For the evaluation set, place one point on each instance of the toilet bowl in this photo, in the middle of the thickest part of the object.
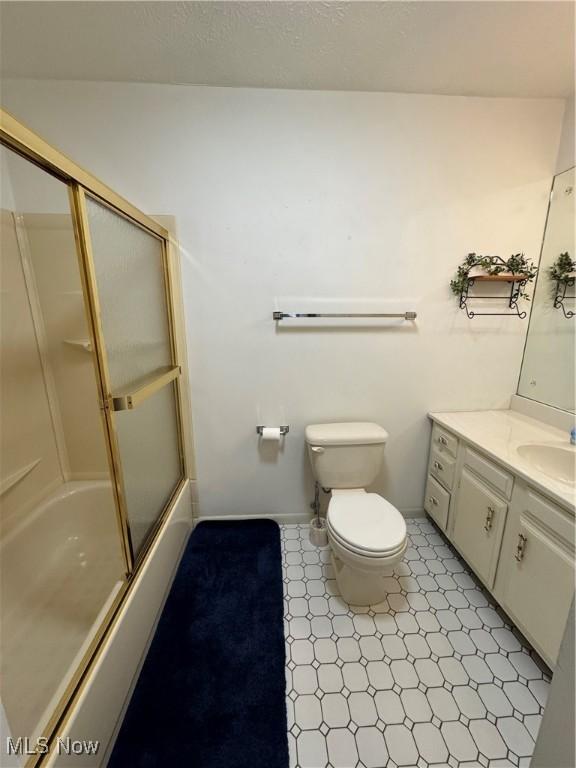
(367, 536)
(366, 533)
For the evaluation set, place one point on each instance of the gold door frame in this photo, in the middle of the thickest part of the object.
(80, 182)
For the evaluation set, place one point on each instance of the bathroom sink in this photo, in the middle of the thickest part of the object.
(553, 460)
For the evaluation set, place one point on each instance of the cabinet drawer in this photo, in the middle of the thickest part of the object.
(478, 525)
(498, 478)
(550, 516)
(442, 467)
(444, 440)
(436, 502)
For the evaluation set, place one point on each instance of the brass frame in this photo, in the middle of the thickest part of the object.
(91, 300)
(25, 142)
(127, 401)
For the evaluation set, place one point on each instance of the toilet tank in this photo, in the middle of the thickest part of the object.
(346, 455)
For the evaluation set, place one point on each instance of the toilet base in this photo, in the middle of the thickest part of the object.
(360, 587)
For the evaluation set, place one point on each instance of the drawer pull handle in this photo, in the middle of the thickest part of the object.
(521, 547)
(433, 501)
(438, 466)
(442, 440)
(489, 519)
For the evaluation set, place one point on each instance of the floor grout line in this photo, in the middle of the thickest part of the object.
(435, 675)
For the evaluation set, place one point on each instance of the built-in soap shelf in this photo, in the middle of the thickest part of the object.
(84, 344)
(17, 476)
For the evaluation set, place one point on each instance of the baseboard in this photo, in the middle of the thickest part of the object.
(299, 518)
(284, 519)
(413, 512)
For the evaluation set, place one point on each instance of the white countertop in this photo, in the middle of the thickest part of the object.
(499, 433)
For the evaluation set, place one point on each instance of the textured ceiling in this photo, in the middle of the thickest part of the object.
(469, 48)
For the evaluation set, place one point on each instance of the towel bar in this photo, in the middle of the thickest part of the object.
(284, 315)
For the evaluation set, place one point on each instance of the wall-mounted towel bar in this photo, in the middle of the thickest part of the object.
(127, 401)
(285, 315)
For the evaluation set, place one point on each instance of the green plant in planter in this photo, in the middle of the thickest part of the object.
(458, 283)
(517, 264)
(561, 269)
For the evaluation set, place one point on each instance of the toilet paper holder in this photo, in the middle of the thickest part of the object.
(283, 429)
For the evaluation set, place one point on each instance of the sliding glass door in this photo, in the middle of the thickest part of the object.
(62, 556)
(91, 439)
(133, 314)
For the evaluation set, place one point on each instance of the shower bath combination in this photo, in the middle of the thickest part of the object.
(90, 369)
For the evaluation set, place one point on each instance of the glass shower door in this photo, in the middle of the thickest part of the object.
(62, 564)
(91, 443)
(132, 287)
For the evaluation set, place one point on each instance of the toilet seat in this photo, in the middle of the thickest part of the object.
(380, 555)
(366, 524)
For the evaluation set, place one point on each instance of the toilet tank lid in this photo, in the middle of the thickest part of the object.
(346, 433)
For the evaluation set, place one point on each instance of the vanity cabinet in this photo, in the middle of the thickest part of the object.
(518, 542)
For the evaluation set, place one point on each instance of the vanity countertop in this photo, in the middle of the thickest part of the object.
(499, 433)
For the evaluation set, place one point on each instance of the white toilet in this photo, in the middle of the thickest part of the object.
(366, 533)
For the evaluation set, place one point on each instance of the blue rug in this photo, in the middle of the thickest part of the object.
(211, 691)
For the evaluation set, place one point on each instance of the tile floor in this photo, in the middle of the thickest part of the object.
(435, 675)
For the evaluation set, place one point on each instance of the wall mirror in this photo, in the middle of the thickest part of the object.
(547, 373)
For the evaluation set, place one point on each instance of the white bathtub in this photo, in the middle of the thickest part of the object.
(59, 569)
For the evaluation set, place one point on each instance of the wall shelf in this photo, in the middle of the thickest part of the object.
(516, 273)
(503, 277)
(517, 283)
(84, 344)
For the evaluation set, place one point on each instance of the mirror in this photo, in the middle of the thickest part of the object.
(547, 373)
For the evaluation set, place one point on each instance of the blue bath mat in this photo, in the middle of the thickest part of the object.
(211, 691)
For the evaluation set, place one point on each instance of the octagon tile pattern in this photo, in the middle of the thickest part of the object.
(435, 675)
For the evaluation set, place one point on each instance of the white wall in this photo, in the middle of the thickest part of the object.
(325, 195)
(566, 149)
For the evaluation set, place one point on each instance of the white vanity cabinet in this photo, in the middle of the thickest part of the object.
(518, 542)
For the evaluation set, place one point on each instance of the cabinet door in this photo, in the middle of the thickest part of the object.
(536, 572)
(478, 524)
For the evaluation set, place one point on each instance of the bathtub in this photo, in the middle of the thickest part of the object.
(60, 569)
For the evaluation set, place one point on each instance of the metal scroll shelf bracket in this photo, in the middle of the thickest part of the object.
(561, 295)
(516, 282)
(283, 429)
(288, 315)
